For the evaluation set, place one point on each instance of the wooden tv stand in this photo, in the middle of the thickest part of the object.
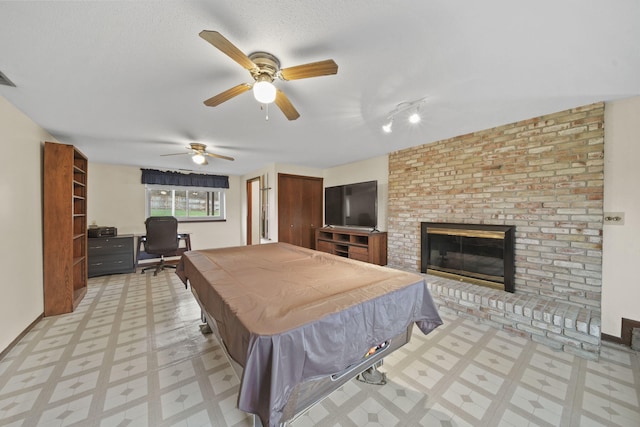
(367, 246)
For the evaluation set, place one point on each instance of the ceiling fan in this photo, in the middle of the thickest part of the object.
(199, 154)
(264, 68)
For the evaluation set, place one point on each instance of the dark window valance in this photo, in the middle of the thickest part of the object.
(152, 176)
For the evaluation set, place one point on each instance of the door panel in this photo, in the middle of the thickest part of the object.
(312, 211)
(299, 209)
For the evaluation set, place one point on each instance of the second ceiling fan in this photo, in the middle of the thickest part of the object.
(264, 69)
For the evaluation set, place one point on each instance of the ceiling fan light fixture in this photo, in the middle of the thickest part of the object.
(387, 128)
(198, 158)
(414, 118)
(263, 90)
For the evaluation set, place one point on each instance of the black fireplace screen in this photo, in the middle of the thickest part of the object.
(482, 254)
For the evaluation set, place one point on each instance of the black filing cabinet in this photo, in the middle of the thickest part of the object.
(110, 255)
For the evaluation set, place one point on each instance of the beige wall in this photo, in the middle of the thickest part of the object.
(621, 243)
(20, 221)
(117, 198)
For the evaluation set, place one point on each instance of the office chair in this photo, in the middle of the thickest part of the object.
(161, 239)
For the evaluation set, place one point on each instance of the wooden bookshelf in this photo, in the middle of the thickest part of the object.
(65, 228)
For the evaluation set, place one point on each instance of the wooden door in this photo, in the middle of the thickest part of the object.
(311, 211)
(299, 209)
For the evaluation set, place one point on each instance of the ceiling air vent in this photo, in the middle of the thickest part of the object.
(5, 81)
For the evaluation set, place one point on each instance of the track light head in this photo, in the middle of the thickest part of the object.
(403, 108)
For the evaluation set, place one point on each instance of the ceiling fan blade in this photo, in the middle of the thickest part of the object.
(173, 154)
(286, 106)
(313, 69)
(227, 95)
(218, 156)
(228, 48)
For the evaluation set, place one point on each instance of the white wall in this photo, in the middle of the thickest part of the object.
(21, 285)
(117, 198)
(621, 243)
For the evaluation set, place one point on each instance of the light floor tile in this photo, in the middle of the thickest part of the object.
(41, 359)
(66, 414)
(467, 400)
(224, 380)
(133, 355)
(130, 350)
(612, 412)
(28, 379)
(127, 392)
(611, 369)
(545, 383)
(441, 416)
(74, 386)
(551, 366)
(495, 362)
(482, 378)
(540, 407)
(371, 413)
(180, 399)
(18, 403)
(175, 374)
(128, 369)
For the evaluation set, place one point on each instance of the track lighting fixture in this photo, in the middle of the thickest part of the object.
(411, 108)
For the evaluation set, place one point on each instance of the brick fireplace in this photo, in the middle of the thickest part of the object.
(544, 176)
(474, 253)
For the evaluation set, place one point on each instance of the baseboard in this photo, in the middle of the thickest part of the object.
(4, 352)
(625, 333)
(611, 338)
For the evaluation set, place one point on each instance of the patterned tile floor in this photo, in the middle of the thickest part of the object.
(132, 355)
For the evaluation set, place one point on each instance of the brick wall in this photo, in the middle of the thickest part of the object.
(543, 175)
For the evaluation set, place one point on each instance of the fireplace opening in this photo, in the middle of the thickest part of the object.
(475, 253)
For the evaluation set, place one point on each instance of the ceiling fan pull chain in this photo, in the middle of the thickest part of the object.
(266, 117)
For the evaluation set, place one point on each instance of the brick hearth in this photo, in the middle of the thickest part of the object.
(561, 326)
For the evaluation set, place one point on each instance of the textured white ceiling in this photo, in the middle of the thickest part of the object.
(125, 81)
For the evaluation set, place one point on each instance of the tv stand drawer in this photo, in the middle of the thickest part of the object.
(359, 253)
(324, 246)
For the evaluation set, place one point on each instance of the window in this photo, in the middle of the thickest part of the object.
(186, 203)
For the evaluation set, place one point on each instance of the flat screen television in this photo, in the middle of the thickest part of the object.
(352, 205)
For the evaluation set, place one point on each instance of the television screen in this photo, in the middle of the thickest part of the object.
(352, 205)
